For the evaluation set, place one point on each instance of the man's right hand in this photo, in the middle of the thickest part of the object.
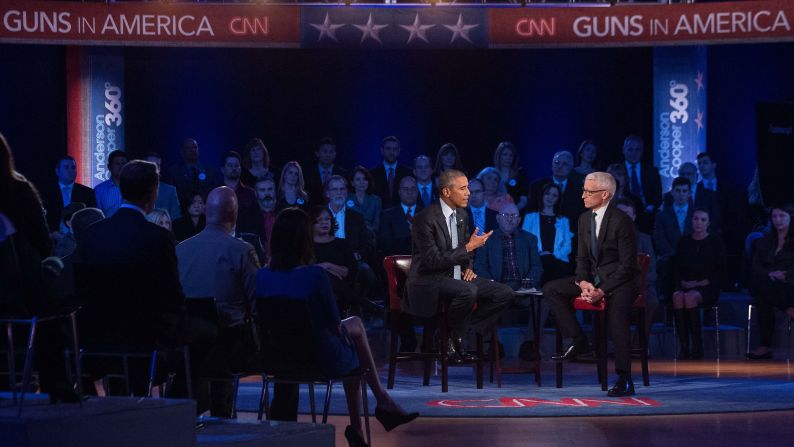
(587, 288)
(476, 241)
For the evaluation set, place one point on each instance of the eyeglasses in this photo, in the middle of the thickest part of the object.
(508, 216)
(590, 193)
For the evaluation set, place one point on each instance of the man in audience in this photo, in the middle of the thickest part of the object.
(191, 176)
(702, 198)
(644, 182)
(266, 199)
(386, 176)
(480, 216)
(423, 172)
(58, 196)
(108, 194)
(395, 223)
(315, 175)
(571, 201)
(167, 197)
(708, 171)
(249, 217)
(80, 222)
(67, 243)
(215, 264)
(671, 224)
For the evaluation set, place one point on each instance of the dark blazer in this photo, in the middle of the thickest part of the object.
(571, 205)
(314, 184)
(394, 237)
(616, 260)
(433, 194)
(666, 232)
(705, 199)
(381, 188)
(490, 220)
(53, 202)
(186, 183)
(651, 184)
(433, 258)
(357, 235)
(488, 260)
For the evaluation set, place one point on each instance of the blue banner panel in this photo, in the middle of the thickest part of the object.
(679, 107)
(382, 27)
(103, 82)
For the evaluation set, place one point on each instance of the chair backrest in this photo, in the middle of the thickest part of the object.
(397, 268)
(203, 308)
(286, 335)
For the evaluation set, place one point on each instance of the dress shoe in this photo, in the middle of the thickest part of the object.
(460, 349)
(353, 438)
(623, 387)
(390, 420)
(765, 356)
(573, 351)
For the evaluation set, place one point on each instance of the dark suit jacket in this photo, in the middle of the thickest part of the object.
(651, 184)
(490, 220)
(705, 199)
(181, 176)
(433, 258)
(571, 205)
(394, 237)
(616, 260)
(381, 188)
(53, 202)
(488, 260)
(433, 194)
(666, 232)
(314, 184)
(357, 235)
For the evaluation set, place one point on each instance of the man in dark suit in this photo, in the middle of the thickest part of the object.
(644, 182)
(386, 176)
(316, 175)
(702, 197)
(480, 216)
(441, 267)
(191, 176)
(606, 268)
(66, 191)
(423, 172)
(394, 237)
(672, 223)
(571, 200)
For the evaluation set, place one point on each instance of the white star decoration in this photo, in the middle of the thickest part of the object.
(699, 120)
(370, 30)
(699, 80)
(326, 29)
(460, 30)
(417, 30)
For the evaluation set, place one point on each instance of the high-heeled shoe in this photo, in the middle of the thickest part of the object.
(353, 438)
(391, 420)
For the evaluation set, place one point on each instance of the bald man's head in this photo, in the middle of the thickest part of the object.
(221, 208)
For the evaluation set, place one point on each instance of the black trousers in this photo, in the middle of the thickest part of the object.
(559, 294)
(491, 297)
(770, 295)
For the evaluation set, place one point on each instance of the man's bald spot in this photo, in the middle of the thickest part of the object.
(508, 208)
(221, 207)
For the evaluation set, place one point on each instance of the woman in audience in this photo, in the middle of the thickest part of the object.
(256, 163)
(192, 222)
(160, 217)
(505, 160)
(362, 200)
(342, 345)
(553, 233)
(773, 277)
(291, 188)
(697, 272)
(585, 160)
(493, 188)
(448, 157)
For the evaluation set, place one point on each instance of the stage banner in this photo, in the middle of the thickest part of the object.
(679, 107)
(95, 109)
(382, 27)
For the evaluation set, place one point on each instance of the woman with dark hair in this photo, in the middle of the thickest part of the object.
(362, 200)
(342, 345)
(505, 160)
(773, 277)
(585, 160)
(256, 163)
(192, 221)
(697, 270)
(553, 233)
(448, 157)
(292, 188)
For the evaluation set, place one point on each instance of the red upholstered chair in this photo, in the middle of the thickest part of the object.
(600, 329)
(397, 268)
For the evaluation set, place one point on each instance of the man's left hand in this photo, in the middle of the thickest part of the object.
(595, 296)
(469, 275)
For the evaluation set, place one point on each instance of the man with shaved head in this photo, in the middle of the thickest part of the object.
(214, 264)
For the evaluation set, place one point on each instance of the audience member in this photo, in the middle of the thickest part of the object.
(167, 197)
(59, 195)
(441, 267)
(621, 175)
(160, 217)
(702, 198)
(672, 223)
(362, 200)
(552, 233)
(480, 216)
(570, 200)
(249, 219)
(66, 244)
(80, 222)
(394, 237)
(423, 173)
(386, 176)
(494, 190)
(505, 160)
(256, 163)
(266, 198)
(447, 157)
(291, 187)
(773, 277)
(318, 174)
(108, 194)
(213, 264)
(586, 159)
(343, 344)
(644, 182)
(191, 176)
(697, 272)
(192, 222)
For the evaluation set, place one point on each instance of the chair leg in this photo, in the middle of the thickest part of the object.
(12, 363)
(365, 403)
(558, 366)
(28, 369)
(479, 364)
(643, 347)
(444, 357)
(76, 347)
(392, 354)
(427, 346)
(188, 377)
(717, 330)
(497, 362)
(125, 366)
(602, 357)
(313, 406)
(235, 388)
(152, 371)
(264, 399)
(327, 404)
